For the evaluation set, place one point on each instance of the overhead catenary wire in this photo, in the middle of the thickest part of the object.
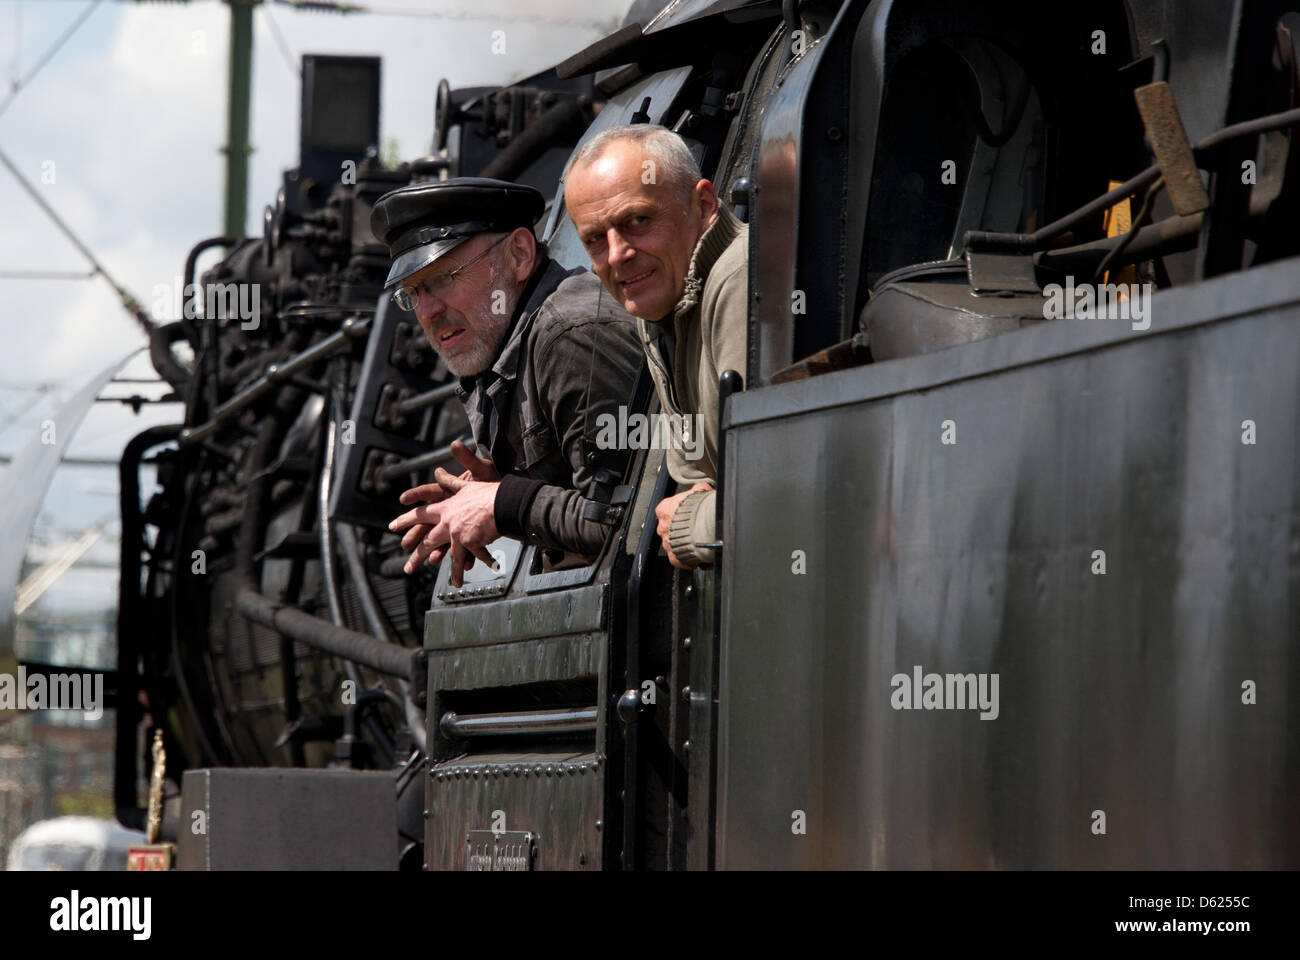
(280, 42)
(48, 55)
(47, 274)
(129, 303)
(345, 7)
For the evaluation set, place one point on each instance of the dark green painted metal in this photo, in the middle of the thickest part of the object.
(1120, 693)
(521, 618)
(237, 115)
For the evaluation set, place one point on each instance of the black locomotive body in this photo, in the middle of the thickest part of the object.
(926, 474)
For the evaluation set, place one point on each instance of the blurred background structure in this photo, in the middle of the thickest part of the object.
(115, 128)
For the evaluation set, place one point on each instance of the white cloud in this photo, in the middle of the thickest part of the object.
(133, 114)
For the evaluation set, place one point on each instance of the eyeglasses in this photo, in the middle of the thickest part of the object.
(440, 283)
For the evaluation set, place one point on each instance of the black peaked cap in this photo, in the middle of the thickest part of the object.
(424, 221)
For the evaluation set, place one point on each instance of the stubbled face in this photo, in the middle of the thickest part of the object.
(460, 322)
(640, 236)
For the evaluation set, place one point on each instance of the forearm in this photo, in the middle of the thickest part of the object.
(694, 522)
(544, 514)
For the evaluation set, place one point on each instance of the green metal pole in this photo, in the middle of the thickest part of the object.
(237, 148)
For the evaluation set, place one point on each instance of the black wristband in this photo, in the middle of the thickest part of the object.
(515, 495)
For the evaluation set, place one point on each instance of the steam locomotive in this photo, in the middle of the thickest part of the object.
(1089, 523)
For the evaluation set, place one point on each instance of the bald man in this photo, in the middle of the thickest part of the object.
(677, 260)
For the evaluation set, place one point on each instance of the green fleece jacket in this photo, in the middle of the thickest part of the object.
(710, 324)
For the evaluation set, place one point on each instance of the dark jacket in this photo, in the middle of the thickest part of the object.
(571, 354)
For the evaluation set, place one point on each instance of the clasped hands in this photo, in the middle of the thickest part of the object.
(454, 513)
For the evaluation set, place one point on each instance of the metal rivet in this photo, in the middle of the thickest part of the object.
(686, 693)
(686, 747)
(599, 824)
(690, 589)
(686, 642)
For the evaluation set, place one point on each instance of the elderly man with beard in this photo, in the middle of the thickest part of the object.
(677, 260)
(541, 352)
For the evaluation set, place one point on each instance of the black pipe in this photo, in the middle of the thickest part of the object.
(367, 696)
(561, 125)
(429, 398)
(1030, 242)
(1171, 235)
(546, 721)
(387, 658)
(161, 339)
(277, 374)
(193, 257)
(208, 349)
(130, 627)
(413, 464)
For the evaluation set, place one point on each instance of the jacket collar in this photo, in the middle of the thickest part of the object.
(724, 229)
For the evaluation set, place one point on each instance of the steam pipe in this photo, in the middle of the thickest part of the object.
(276, 374)
(428, 399)
(561, 122)
(129, 626)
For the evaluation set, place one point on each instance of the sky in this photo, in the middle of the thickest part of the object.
(121, 133)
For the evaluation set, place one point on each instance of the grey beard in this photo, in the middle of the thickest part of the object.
(484, 352)
(491, 328)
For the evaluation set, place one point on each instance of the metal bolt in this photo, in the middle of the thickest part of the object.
(686, 747)
(599, 824)
(690, 589)
(272, 369)
(582, 858)
(686, 642)
(686, 693)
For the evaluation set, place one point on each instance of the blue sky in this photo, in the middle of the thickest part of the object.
(128, 118)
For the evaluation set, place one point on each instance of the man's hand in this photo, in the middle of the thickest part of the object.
(665, 510)
(424, 521)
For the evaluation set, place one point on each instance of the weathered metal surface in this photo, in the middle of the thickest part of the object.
(253, 819)
(1126, 694)
(519, 618)
(555, 796)
(545, 658)
(490, 851)
(1169, 143)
